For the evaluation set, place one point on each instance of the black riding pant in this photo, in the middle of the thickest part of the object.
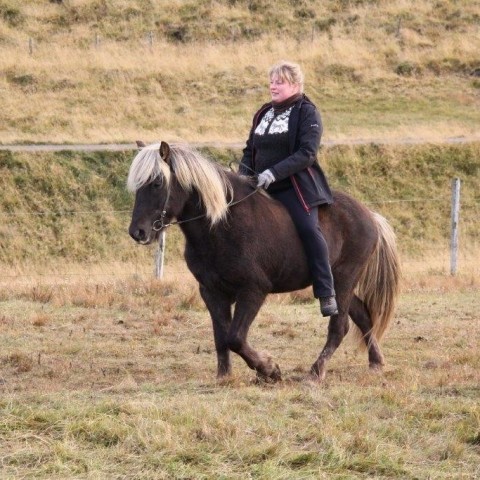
(314, 244)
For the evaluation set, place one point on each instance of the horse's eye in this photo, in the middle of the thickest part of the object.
(157, 184)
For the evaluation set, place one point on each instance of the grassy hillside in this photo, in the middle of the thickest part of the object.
(102, 71)
(40, 191)
(70, 206)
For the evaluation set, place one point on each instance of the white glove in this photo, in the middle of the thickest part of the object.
(265, 179)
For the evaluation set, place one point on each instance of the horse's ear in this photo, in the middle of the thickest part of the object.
(165, 151)
(140, 144)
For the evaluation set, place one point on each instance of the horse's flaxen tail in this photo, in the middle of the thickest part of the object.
(379, 284)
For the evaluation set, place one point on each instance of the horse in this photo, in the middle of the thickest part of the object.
(242, 245)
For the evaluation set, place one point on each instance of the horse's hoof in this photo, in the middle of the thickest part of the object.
(225, 380)
(315, 379)
(317, 375)
(376, 367)
(276, 374)
(273, 377)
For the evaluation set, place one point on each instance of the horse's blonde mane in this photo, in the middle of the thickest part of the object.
(192, 170)
(146, 166)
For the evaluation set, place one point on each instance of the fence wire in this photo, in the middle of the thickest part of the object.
(142, 261)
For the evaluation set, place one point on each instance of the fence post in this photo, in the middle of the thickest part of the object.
(160, 256)
(399, 26)
(454, 232)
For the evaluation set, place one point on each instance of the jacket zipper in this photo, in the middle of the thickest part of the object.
(299, 194)
(256, 121)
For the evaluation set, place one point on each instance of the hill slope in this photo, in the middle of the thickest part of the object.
(74, 207)
(105, 71)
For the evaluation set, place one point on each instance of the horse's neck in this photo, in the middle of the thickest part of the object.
(194, 228)
(200, 241)
(200, 233)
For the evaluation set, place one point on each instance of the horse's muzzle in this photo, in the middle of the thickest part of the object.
(139, 235)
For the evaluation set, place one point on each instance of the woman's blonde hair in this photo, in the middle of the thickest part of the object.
(288, 72)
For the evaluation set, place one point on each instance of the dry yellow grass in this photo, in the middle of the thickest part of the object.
(68, 90)
(116, 379)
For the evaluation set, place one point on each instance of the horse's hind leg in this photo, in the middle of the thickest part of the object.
(219, 307)
(248, 304)
(361, 317)
(337, 329)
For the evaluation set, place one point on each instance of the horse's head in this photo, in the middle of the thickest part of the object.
(157, 192)
(175, 181)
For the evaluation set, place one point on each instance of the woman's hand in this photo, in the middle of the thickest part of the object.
(265, 179)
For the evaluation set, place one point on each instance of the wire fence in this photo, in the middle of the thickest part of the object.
(130, 260)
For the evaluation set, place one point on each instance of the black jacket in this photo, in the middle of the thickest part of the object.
(305, 131)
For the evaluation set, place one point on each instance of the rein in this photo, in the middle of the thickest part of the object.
(160, 223)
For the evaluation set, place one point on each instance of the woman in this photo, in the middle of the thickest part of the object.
(282, 150)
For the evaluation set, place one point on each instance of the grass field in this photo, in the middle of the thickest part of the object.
(106, 373)
(116, 380)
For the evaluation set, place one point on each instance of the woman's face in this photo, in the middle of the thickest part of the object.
(281, 90)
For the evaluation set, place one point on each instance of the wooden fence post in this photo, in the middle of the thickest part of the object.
(160, 256)
(454, 232)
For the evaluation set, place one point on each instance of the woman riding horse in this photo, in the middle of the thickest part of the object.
(230, 249)
(282, 147)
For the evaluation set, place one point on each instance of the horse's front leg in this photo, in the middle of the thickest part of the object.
(247, 305)
(219, 306)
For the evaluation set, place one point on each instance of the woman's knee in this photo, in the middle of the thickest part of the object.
(308, 229)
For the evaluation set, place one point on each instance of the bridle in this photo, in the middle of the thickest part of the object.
(161, 220)
(160, 224)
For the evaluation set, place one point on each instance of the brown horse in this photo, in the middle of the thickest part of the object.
(242, 245)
